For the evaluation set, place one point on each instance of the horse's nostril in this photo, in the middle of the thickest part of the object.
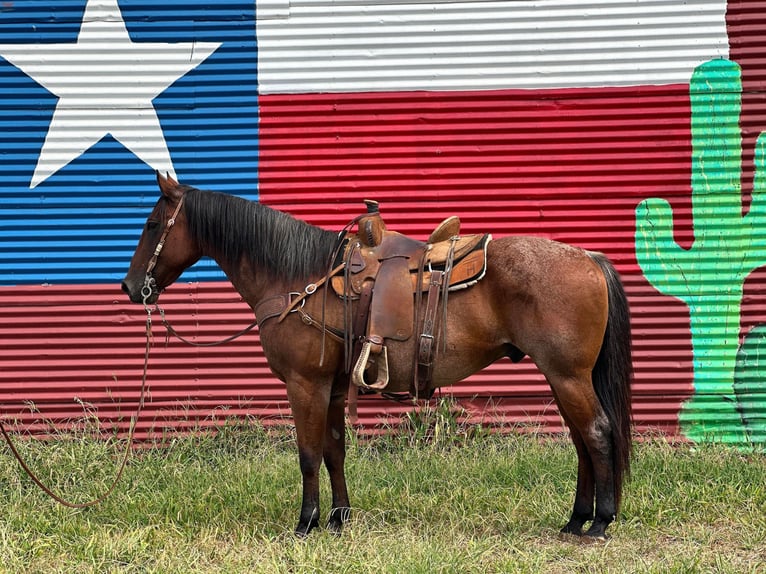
(125, 288)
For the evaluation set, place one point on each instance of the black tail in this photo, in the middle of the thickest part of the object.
(613, 372)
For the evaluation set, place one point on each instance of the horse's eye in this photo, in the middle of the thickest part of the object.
(151, 225)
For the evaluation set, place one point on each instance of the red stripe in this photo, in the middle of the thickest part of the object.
(512, 162)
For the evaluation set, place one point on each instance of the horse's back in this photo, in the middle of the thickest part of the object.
(537, 259)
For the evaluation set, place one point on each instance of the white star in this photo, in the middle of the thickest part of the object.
(105, 84)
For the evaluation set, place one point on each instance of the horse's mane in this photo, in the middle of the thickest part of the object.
(275, 242)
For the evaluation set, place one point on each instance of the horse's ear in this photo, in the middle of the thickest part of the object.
(168, 186)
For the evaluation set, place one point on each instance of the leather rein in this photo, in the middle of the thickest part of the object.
(123, 463)
(146, 293)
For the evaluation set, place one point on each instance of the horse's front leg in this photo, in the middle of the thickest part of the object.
(309, 401)
(335, 454)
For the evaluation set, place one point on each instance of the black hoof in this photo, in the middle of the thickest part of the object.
(303, 530)
(573, 527)
(338, 517)
(597, 530)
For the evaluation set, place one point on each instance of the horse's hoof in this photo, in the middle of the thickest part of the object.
(338, 517)
(596, 533)
(303, 530)
(335, 528)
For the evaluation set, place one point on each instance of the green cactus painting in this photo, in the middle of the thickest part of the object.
(749, 386)
(728, 245)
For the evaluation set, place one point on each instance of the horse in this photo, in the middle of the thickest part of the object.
(562, 306)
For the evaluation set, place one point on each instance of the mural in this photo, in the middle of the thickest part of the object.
(710, 276)
(94, 97)
(127, 115)
(508, 114)
(749, 386)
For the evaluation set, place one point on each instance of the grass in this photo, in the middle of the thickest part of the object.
(440, 497)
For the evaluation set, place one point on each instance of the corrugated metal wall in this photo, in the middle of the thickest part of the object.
(71, 353)
(551, 118)
(79, 143)
(107, 92)
(510, 169)
(366, 45)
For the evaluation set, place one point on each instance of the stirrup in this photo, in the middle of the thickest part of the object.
(357, 374)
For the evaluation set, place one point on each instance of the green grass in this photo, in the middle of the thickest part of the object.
(438, 498)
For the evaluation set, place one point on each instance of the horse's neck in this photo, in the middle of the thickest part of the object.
(248, 275)
(254, 285)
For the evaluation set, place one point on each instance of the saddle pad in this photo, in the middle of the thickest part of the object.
(471, 268)
(463, 245)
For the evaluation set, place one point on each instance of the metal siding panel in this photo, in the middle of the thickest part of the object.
(570, 164)
(566, 164)
(68, 350)
(67, 333)
(746, 24)
(81, 223)
(366, 45)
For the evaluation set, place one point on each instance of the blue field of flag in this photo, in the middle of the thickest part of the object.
(96, 96)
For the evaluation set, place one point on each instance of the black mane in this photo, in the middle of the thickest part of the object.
(275, 242)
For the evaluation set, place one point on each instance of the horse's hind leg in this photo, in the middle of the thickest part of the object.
(335, 455)
(584, 496)
(591, 434)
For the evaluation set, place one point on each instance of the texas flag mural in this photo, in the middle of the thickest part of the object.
(544, 117)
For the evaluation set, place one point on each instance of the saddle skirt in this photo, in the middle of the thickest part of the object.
(387, 276)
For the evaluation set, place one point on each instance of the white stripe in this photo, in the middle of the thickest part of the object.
(366, 45)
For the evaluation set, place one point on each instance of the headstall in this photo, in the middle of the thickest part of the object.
(149, 281)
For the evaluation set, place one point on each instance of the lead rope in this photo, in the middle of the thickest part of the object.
(128, 447)
(146, 292)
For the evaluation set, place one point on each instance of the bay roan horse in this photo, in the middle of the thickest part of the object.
(563, 307)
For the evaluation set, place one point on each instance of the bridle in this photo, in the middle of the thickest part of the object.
(149, 282)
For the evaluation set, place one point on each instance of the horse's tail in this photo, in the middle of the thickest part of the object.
(613, 372)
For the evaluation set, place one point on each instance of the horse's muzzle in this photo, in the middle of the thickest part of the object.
(139, 294)
(133, 294)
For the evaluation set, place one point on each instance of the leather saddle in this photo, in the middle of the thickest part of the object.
(388, 275)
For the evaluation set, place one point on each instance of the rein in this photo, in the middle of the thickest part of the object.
(146, 292)
(171, 331)
(58, 498)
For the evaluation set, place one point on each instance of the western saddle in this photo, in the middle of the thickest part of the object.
(388, 275)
